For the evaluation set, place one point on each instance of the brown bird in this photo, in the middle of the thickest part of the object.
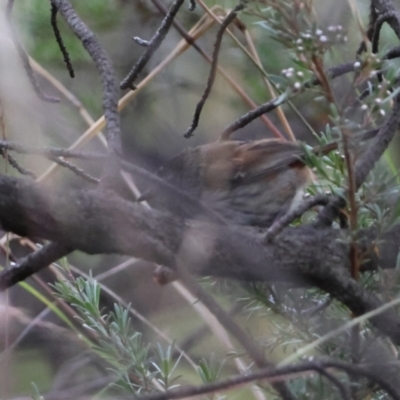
(247, 183)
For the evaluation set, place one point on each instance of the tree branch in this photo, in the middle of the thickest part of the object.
(31, 264)
(100, 222)
(276, 374)
(103, 64)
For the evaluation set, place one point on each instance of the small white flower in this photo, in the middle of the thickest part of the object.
(323, 39)
(300, 74)
(378, 100)
(299, 41)
(382, 112)
(319, 32)
(364, 107)
(300, 48)
(297, 85)
(357, 65)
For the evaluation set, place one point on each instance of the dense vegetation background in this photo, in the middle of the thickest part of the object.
(68, 337)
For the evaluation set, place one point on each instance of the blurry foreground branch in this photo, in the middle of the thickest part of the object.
(100, 222)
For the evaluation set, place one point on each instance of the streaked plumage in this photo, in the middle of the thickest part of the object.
(248, 183)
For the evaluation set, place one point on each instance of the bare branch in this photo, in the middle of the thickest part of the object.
(49, 151)
(152, 45)
(31, 264)
(13, 162)
(278, 373)
(211, 77)
(245, 119)
(281, 223)
(73, 168)
(100, 58)
(60, 41)
(99, 222)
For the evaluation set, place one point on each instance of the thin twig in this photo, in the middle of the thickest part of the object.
(381, 11)
(281, 115)
(52, 154)
(10, 159)
(60, 41)
(251, 116)
(387, 17)
(319, 72)
(211, 77)
(373, 15)
(287, 219)
(392, 53)
(14, 163)
(31, 264)
(152, 45)
(192, 5)
(73, 168)
(267, 122)
(49, 151)
(351, 194)
(277, 374)
(277, 101)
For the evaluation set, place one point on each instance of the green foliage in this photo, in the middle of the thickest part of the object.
(166, 366)
(36, 394)
(210, 371)
(136, 365)
(299, 31)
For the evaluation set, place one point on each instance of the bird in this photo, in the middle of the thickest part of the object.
(247, 183)
(251, 183)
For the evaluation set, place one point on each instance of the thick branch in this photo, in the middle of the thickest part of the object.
(101, 222)
(103, 64)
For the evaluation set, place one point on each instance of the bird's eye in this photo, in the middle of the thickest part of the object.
(238, 178)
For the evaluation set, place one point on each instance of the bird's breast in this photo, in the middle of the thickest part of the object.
(259, 202)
